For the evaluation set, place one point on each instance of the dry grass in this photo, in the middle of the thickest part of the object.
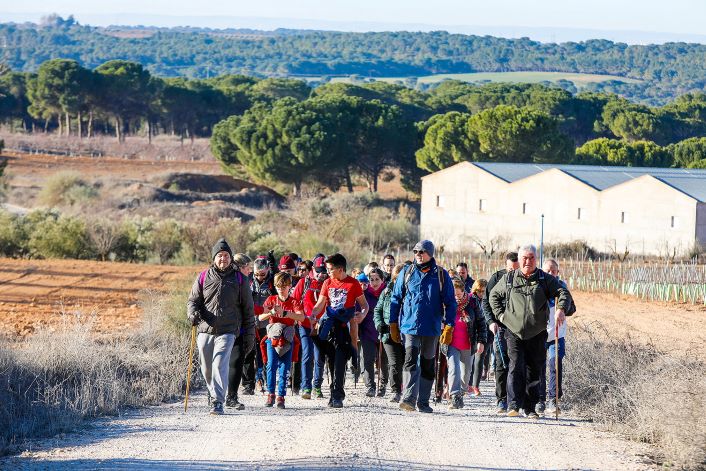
(640, 392)
(54, 380)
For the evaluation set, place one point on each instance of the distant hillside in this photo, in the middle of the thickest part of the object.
(664, 71)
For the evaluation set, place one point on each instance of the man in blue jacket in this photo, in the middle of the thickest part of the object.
(423, 298)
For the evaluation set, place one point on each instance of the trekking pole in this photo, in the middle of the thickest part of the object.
(500, 349)
(556, 361)
(379, 364)
(188, 369)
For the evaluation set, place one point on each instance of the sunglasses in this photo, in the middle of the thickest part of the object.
(415, 252)
(301, 269)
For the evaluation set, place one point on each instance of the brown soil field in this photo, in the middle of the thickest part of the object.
(42, 293)
(36, 292)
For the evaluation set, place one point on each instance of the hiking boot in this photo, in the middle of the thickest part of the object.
(404, 405)
(233, 402)
(396, 397)
(540, 408)
(456, 402)
(318, 394)
(217, 408)
(532, 415)
(306, 394)
(249, 391)
(381, 392)
(513, 413)
(336, 403)
(280, 402)
(270, 400)
(424, 408)
(501, 409)
(370, 392)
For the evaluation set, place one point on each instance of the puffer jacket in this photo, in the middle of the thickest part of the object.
(420, 307)
(525, 312)
(381, 313)
(224, 303)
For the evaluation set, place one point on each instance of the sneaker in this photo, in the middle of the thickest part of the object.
(280, 402)
(540, 408)
(475, 392)
(337, 403)
(306, 394)
(270, 400)
(233, 402)
(424, 408)
(532, 415)
(318, 394)
(501, 408)
(513, 413)
(217, 408)
(404, 405)
(249, 391)
(552, 408)
(370, 392)
(381, 392)
(396, 397)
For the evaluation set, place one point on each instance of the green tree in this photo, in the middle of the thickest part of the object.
(604, 151)
(446, 142)
(512, 134)
(126, 92)
(689, 152)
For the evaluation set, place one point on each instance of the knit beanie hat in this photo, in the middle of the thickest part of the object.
(220, 246)
(425, 245)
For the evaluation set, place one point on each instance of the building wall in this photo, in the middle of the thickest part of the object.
(451, 213)
(701, 223)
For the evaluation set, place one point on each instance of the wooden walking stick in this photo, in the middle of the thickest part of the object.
(189, 367)
(556, 361)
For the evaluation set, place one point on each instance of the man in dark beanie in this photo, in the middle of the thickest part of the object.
(221, 305)
(422, 299)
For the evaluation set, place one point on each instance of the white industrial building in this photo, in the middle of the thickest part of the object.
(654, 211)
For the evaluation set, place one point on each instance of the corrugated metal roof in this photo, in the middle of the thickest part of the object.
(689, 181)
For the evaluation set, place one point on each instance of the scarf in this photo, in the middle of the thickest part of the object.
(462, 304)
(424, 267)
(376, 292)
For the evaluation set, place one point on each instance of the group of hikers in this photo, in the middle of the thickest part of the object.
(271, 325)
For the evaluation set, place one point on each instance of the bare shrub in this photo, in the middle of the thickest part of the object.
(66, 188)
(639, 391)
(56, 379)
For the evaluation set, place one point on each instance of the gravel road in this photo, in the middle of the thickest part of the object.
(367, 434)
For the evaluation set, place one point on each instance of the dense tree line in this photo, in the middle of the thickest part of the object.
(283, 130)
(665, 71)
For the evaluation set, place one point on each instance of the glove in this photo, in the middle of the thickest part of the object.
(446, 335)
(196, 320)
(384, 329)
(395, 332)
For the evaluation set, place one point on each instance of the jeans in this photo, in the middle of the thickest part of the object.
(526, 362)
(311, 361)
(418, 373)
(214, 356)
(395, 359)
(459, 363)
(277, 369)
(550, 392)
(502, 362)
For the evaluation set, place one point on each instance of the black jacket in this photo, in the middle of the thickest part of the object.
(487, 310)
(224, 303)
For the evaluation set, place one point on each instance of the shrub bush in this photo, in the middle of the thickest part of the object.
(60, 237)
(66, 189)
(13, 235)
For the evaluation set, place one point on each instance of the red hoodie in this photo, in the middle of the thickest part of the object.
(309, 298)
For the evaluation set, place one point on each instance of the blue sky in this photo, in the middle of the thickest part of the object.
(674, 16)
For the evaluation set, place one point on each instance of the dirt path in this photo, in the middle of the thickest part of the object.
(366, 434)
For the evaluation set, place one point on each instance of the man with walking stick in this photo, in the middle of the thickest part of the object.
(221, 307)
(520, 301)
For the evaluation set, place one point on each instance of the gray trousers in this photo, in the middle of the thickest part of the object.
(370, 354)
(460, 364)
(214, 355)
(418, 372)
